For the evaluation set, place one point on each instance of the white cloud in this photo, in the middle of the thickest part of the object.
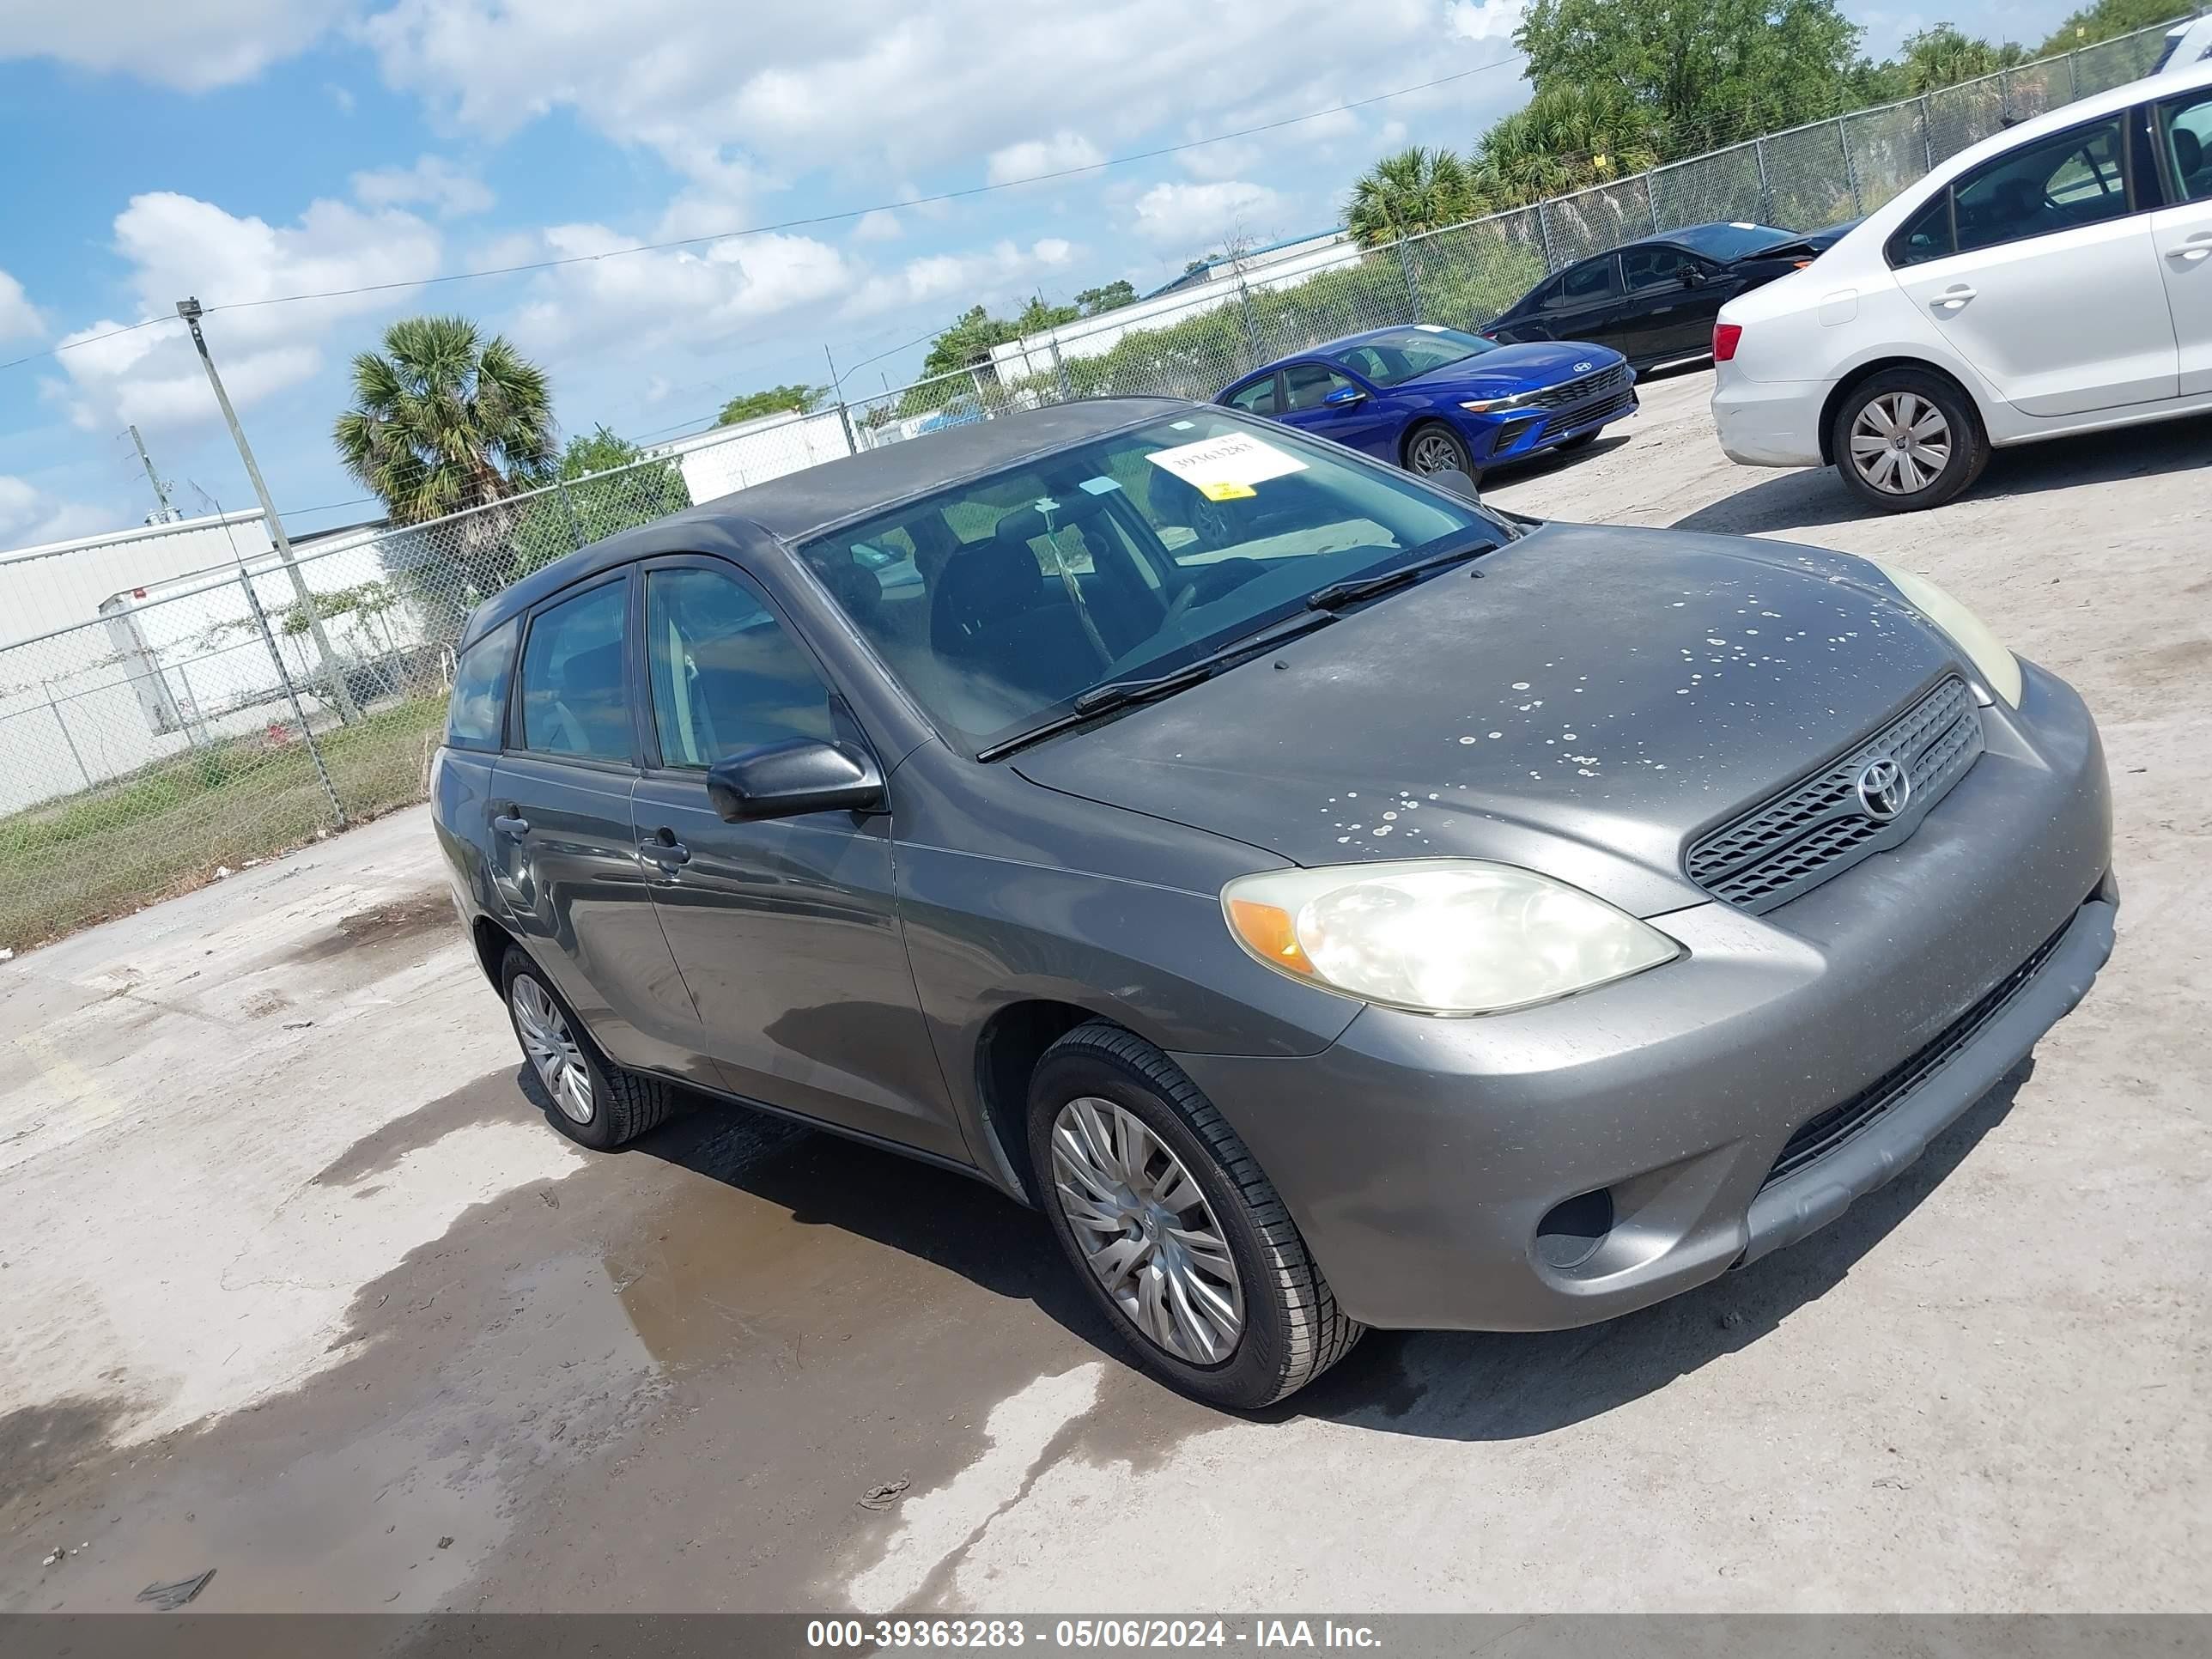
(1034, 158)
(209, 43)
(686, 296)
(29, 516)
(1223, 161)
(433, 181)
(1192, 214)
(1484, 20)
(879, 225)
(179, 246)
(19, 318)
(995, 275)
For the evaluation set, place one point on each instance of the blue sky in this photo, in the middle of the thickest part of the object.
(246, 150)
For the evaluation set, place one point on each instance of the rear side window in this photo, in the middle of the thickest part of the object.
(1926, 235)
(478, 711)
(573, 701)
(1583, 284)
(1257, 398)
(2060, 183)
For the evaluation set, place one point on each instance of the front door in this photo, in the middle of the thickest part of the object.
(787, 930)
(2182, 234)
(2053, 288)
(564, 849)
(1353, 419)
(1669, 299)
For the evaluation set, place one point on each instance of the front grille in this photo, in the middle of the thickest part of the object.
(1816, 828)
(1815, 1139)
(1604, 409)
(1568, 393)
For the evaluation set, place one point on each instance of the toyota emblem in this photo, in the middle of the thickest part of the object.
(1883, 789)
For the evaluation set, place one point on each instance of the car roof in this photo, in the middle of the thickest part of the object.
(1327, 347)
(795, 506)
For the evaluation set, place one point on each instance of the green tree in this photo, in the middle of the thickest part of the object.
(1568, 136)
(607, 484)
(1403, 195)
(771, 400)
(1944, 56)
(1707, 72)
(1037, 318)
(2107, 18)
(444, 419)
(1111, 297)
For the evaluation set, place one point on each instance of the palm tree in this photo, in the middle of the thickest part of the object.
(1570, 136)
(1403, 195)
(443, 420)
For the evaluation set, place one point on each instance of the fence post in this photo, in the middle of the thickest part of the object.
(2073, 75)
(1544, 235)
(1059, 369)
(1413, 278)
(1251, 323)
(1651, 200)
(575, 525)
(1765, 189)
(66, 738)
(292, 691)
(845, 420)
(1927, 135)
(1851, 173)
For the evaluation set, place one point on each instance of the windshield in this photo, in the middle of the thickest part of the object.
(1399, 355)
(999, 601)
(1731, 241)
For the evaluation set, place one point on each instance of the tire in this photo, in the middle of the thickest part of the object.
(1581, 441)
(1444, 450)
(1947, 453)
(1288, 1328)
(609, 1107)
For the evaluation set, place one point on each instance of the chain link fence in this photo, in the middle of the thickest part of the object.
(197, 725)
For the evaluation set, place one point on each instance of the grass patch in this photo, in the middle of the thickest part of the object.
(167, 827)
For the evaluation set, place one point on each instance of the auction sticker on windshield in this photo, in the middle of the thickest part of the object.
(1224, 469)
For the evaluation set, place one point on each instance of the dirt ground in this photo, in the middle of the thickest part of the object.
(300, 1287)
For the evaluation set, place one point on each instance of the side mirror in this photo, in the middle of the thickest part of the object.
(1692, 278)
(1344, 398)
(798, 775)
(1456, 481)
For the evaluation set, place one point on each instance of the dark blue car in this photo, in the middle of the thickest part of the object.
(1434, 400)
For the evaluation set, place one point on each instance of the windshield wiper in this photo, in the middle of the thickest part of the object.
(1120, 694)
(1353, 590)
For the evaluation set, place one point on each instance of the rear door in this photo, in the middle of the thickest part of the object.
(1356, 418)
(787, 930)
(563, 839)
(1584, 304)
(2182, 233)
(2048, 280)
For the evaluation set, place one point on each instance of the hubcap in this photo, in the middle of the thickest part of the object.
(1899, 442)
(1147, 1232)
(1435, 452)
(552, 1049)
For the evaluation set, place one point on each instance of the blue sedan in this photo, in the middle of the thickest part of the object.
(1434, 400)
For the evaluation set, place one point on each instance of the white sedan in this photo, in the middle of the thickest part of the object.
(2053, 279)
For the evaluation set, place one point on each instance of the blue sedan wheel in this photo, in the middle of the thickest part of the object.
(1437, 449)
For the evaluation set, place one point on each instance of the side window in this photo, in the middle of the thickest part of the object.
(573, 701)
(478, 708)
(1257, 398)
(2068, 179)
(725, 674)
(1308, 385)
(1584, 283)
(1926, 235)
(2185, 124)
(1647, 268)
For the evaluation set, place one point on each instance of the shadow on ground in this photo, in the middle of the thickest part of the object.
(1797, 501)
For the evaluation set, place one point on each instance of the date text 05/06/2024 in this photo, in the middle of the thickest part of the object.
(1130, 1633)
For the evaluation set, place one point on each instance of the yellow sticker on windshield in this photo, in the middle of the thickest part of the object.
(1217, 491)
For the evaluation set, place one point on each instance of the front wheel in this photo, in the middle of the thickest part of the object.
(1905, 439)
(1173, 1228)
(1435, 447)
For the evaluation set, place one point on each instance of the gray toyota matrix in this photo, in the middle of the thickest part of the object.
(1331, 901)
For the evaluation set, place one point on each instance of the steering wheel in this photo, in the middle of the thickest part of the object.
(1210, 583)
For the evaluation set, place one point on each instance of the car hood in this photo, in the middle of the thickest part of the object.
(1586, 702)
(1518, 368)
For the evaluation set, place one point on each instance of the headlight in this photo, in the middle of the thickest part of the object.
(1479, 405)
(1442, 935)
(1998, 667)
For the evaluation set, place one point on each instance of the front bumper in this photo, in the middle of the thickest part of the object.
(1516, 435)
(1769, 422)
(1420, 1157)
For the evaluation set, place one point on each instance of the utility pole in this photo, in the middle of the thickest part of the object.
(189, 309)
(168, 513)
(837, 391)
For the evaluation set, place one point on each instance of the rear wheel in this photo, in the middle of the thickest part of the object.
(1433, 446)
(1906, 438)
(1173, 1228)
(595, 1102)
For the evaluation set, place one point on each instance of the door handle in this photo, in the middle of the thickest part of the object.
(2201, 248)
(663, 848)
(511, 825)
(1952, 298)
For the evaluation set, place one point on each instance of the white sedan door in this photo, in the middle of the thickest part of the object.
(2184, 234)
(2055, 290)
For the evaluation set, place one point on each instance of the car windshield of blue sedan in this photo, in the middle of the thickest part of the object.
(1405, 354)
(999, 600)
